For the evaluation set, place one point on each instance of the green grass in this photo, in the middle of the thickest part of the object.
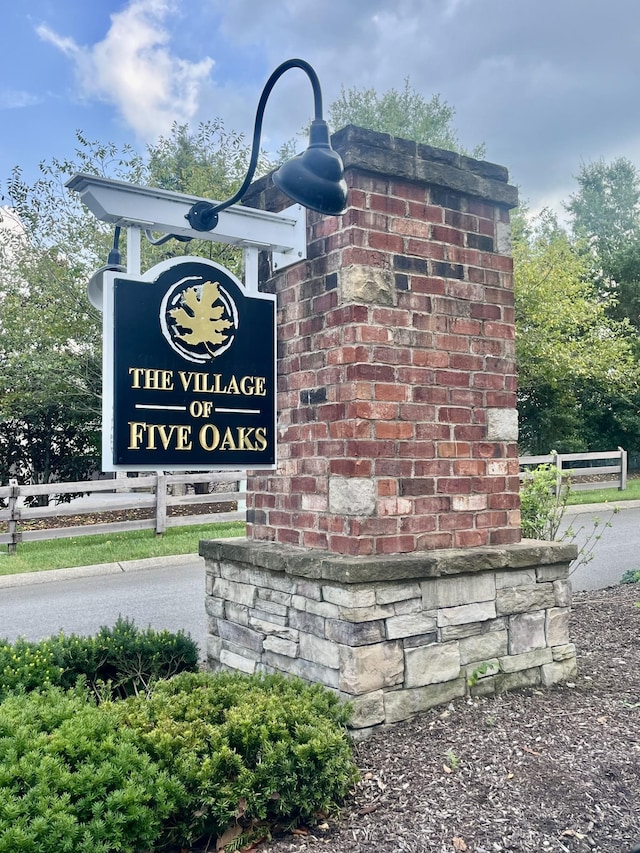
(111, 548)
(594, 496)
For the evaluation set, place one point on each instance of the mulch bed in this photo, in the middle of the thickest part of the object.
(55, 521)
(539, 770)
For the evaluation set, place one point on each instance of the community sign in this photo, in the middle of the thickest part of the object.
(189, 370)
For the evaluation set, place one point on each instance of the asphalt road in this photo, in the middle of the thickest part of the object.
(617, 549)
(171, 593)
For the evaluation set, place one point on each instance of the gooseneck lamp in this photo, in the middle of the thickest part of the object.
(114, 264)
(314, 179)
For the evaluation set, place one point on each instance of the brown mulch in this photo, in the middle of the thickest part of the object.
(54, 521)
(539, 770)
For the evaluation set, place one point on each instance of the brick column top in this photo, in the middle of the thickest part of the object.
(396, 374)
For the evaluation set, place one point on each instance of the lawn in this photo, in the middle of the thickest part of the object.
(593, 496)
(111, 548)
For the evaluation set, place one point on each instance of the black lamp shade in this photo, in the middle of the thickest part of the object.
(315, 178)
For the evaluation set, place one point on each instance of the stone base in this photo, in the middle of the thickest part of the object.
(394, 635)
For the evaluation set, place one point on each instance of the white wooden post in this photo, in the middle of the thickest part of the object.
(12, 525)
(623, 469)
(161, 502)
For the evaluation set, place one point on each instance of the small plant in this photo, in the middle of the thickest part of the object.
(483, 669)
(453, 762)
(543, 499)
(631, 576)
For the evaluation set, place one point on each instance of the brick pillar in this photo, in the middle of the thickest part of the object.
(397, 381)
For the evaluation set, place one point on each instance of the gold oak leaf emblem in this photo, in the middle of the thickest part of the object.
(202, 321)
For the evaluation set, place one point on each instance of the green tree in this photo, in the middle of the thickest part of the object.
(50, 335)
(405, 113)
(605, 218)
(575, 362)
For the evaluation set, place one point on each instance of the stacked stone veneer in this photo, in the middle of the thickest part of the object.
(396, 373)
(395, 635)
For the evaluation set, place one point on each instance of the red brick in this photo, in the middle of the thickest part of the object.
(454, 415)
(469, 467)
(373, 527)
(392, 243)
(391, 392)
(395, 544)
(312, 539)
(505, 537)
(434, 541)
(418, 524)
(455, 521)
(432, 506)
(387, 487)
(372, 410)
(287, 536)
(451, 236)
(470, 538)
(388, 204)
(491, 519)
(350, 545)
(454, 485)
(452, 377)
(453, 449)
(394, 430)
(350, 467)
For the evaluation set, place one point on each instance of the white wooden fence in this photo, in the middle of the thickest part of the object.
(582, 477)
(154, 492)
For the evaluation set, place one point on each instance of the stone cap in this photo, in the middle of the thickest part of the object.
(323, 565)
(393, 157)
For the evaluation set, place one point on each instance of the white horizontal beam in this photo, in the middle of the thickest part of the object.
(161, 210)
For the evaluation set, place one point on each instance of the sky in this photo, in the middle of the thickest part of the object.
(546, 85)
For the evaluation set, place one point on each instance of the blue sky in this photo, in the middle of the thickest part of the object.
(546, 84)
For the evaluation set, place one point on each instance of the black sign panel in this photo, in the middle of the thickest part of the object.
(193, 359)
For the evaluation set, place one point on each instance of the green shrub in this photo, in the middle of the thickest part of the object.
(72, 780)
(543, 498)
(26, 666)
(120, 661)
(249, 748)
(631, 576)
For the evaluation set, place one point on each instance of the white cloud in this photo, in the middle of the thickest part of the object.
(133, 69)
(12, 99)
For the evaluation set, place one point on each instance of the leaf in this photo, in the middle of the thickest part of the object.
(202, 321)
(459, 844)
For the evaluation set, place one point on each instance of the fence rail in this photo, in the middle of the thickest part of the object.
(582, 475)
(154, 492)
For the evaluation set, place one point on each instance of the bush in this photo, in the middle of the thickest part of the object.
(26, 666)
(120, 661)
(244, 748)
(71, 780)
(631, 576)
(542, 502)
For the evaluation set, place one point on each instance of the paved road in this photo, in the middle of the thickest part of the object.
(167, 596)
(171, 595)
(618, 548)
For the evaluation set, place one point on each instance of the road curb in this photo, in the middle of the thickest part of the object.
(616, 506)
(51, 575)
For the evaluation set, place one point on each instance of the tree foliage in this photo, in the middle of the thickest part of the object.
(574, 361)
(405, 113)
(50, 335)
(605, 217)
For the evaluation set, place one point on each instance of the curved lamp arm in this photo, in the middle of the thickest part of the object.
(203, 215)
